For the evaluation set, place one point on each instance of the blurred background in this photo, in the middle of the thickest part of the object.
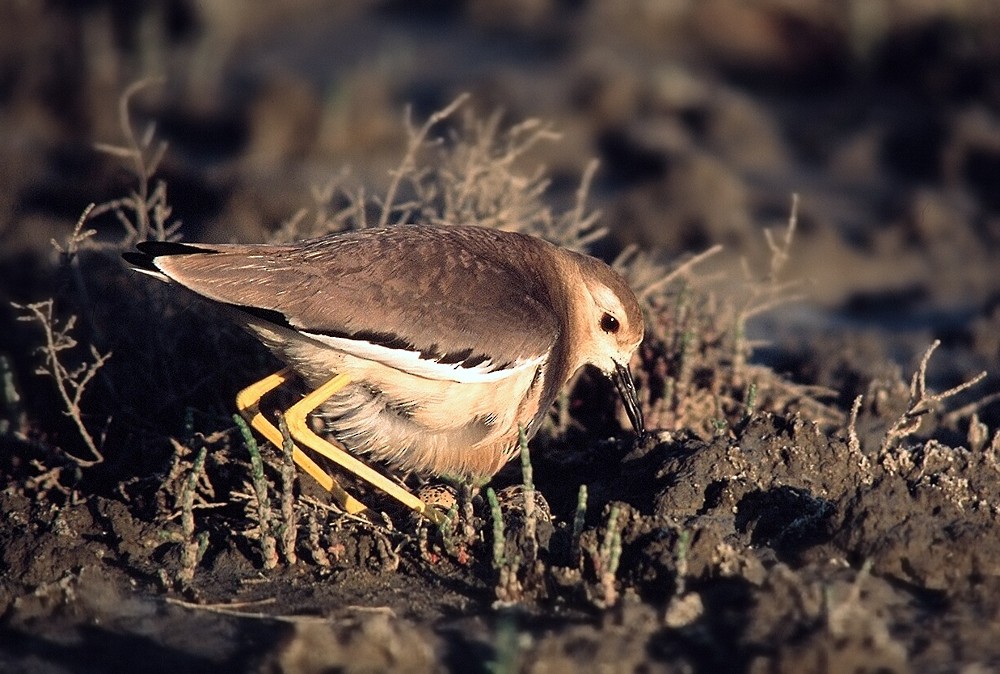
(705, 115)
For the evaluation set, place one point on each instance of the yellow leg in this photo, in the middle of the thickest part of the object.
(248, 401)
(301, 433)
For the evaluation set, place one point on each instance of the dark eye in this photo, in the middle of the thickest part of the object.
(610, 324)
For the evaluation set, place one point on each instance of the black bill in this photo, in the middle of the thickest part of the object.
(626, 388)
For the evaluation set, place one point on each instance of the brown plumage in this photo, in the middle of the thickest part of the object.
(452, 337)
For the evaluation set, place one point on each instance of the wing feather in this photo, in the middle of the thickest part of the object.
(452, 295)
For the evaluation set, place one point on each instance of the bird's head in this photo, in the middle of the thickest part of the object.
(614, 327)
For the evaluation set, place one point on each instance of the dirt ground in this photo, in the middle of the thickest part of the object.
(820, 491)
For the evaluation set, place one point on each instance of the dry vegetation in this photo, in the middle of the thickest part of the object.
(763, 524)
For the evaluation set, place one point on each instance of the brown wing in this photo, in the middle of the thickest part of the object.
(457, 295)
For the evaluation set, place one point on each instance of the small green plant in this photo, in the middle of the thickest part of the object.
(288, 527)
(606, 559)
(316, 548)
(446, 531)
(263, 515)
(186, 485)
(193, 544)
(499, 556)
(684, 607)
(579, 519)
(528, 485)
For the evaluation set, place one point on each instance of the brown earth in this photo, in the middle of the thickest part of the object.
(773, 522)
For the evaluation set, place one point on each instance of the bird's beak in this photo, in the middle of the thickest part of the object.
(626, 388)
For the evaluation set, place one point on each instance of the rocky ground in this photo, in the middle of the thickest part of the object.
(820, 492)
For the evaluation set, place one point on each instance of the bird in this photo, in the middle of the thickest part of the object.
(432, 348)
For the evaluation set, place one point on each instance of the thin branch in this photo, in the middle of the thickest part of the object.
(409, 159)
(921, 402)
(70, 384)
(684, 268)
(780, 252)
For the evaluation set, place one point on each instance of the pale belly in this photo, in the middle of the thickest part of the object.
(413, 422)
(435, 426)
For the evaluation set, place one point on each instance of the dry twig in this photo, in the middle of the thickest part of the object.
(70, 383)
(409, 163)
(145, 213)
(921, 401)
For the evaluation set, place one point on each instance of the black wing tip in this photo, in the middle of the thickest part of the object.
(140, 261)
(148, 251)
(167, 248)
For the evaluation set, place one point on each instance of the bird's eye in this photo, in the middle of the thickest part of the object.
(610, 324)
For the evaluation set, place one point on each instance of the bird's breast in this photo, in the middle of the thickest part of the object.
(435, 426)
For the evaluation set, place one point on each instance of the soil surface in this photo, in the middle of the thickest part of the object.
(819, 490)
